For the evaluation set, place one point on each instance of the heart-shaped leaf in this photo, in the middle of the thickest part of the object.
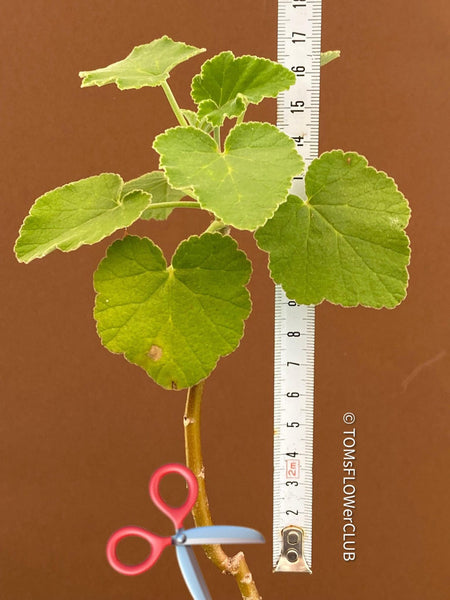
(146, 65)
(177, 321)
(346, 243)
(83, 212)
(244, 184)
(226, 85)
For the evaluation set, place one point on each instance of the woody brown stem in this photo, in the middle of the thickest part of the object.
(233, 565)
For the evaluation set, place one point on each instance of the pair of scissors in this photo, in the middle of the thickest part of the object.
(183, 539)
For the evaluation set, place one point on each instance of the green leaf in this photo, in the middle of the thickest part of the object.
(346, 243)
(327, 57)
(244, 184)
(149, 64)
(83, 212)
(226, 85)
(160, 190)
(175, 322)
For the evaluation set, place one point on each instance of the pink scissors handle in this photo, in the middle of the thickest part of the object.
(176, 514)
(157, 545)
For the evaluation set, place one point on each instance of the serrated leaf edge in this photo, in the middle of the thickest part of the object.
(366, 166)
(239, 94)
(260, 58)
(169, 266)
(191, 190)
(113, 79)
(119, 201)
(306, 202)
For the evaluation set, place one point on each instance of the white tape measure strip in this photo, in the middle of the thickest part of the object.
(299, 33)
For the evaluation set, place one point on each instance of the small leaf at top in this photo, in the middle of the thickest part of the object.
(83, 212)
(244, 184)
(160, 190)
(173, 321)
(346, 243)
(327, 57)
(149, 64)
(226, 85)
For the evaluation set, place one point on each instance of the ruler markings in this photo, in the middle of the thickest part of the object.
(294, 355)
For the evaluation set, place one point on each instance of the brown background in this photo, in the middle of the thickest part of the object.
(81, 430)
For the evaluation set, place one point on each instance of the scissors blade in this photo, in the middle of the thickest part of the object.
(222, 534)
(191, 573)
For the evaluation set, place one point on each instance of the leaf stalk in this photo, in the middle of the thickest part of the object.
(174, 104)
(217, 136)
(179, 204)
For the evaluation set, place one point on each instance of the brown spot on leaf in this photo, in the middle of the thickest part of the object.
(155, 353)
